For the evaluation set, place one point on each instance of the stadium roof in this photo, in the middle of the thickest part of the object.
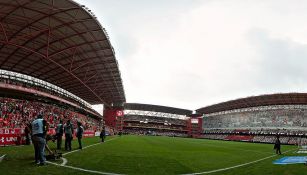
(254, 101)
(61, 42)
(156, 108)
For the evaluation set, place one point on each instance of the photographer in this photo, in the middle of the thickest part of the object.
(39, 129)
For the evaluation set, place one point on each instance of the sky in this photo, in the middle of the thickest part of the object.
(194, 53)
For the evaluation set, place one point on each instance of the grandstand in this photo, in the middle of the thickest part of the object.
(258, 119)
(55, 59)
(155, 120)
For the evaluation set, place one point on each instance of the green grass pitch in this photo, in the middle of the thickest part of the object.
(155, 155)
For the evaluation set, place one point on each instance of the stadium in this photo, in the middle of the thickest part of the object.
(56, 60)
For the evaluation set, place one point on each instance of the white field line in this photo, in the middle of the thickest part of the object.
(205, 172)
(2, 157)
(64, 161)
(81, 169)
(88, 146)
(236, 166)
(79, 149)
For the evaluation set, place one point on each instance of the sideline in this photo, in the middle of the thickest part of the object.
(236, 166)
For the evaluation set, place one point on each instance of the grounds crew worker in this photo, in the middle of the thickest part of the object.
(39, 129)
(59, 134)
(69, 130)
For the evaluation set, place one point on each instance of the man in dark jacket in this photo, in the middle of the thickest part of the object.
(79, 134)
(59, 134)
(69, 130)
(277, 145)
(102, 134)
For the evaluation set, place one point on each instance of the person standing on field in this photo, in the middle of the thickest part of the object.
(69, 130)
(102, 134)
(79, 134)
(59, 134)
(277, 145)
(39, 130)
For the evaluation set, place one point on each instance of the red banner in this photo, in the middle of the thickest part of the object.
(11, 136)
(17, 137)
(88, 133)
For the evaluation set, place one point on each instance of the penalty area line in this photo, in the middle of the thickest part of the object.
(236, 166)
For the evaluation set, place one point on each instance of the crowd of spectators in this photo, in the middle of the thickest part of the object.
(282, 116)
(153, 119)
(15, 113)
(260, 131)
(140, 125)
(215, 136)
(153, 126)
(142, 131)
(286, 136)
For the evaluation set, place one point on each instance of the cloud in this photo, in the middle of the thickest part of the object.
(281, 63)
(190, 54)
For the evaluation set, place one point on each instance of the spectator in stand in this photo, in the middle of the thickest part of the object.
(277, 145)
(59, 134)
(15, 113)
(69, 130)
(39, 130)
(79, 134)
